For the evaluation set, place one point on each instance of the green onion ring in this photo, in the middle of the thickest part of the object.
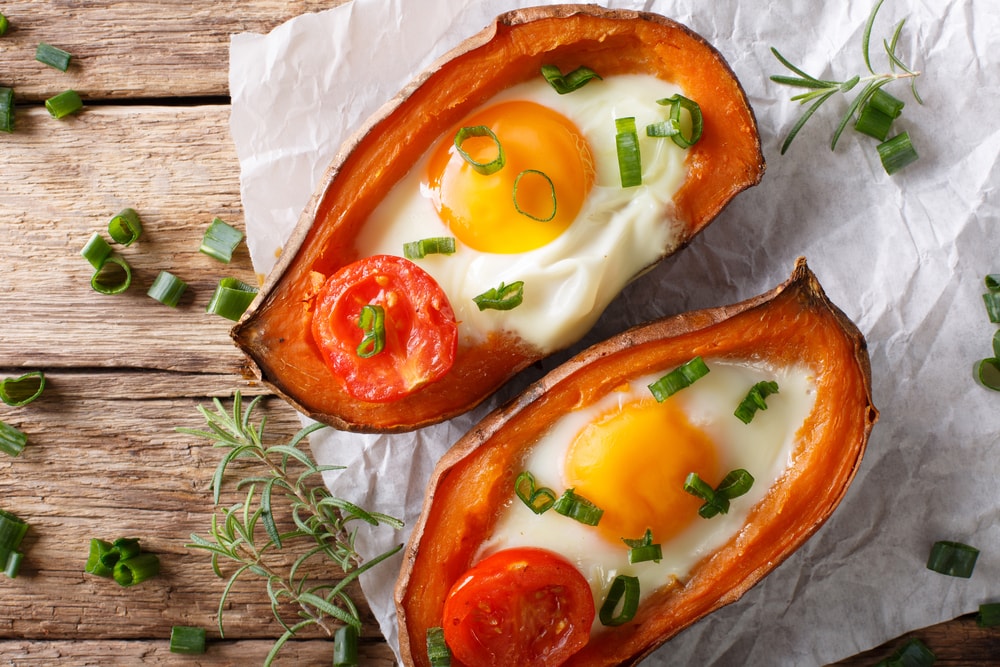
(755, 400)
(625, 590)
(503, 297)
(134, 570)
(167, 289)
(12, 440)
(126, 227)
(538, 500)
(627, 147)
(567, 83)
(96, 250)
(578, 508)
(6, 109)
(220, 240)
(679, 378)
(952, 558)
(231, 298)
(484, 168)
(189, 640)
(435, 245)
(371, 321)
(113, 279)
(438, 653)
(672, 126)
(64, 104)
(53, 56)
(552, 190)
(22, 390)
(12, 531)
(897, 153)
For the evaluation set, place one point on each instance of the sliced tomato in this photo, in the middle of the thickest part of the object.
(421, 335)
(522, 606)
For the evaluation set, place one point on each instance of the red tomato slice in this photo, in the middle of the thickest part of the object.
(421, 335)
(523, 606)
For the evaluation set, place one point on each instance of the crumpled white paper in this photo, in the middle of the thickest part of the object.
(904, 256)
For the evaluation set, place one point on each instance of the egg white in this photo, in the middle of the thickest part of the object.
(571, 280)
(765, 448)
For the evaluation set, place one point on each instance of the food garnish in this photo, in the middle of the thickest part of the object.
(167, 289)
(65, 103)
(23, 389)
(53, 56)
(12, 530)
(220, 240)
(868, 103)
(282, 483)
(231, 298)
(187, 640)
(954, 559)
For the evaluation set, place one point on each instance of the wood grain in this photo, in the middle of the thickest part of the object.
(104, 458)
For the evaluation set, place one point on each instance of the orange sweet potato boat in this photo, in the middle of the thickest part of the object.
(275, 332)
(794, 323)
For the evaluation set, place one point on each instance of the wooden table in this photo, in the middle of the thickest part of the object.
(104, 459)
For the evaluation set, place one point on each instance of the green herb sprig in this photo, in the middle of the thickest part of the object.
(821, 90)
(247, 533)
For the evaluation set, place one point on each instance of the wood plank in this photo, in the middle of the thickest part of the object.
(134, 49)
(114, 466)
(90, 653)
(178, 168)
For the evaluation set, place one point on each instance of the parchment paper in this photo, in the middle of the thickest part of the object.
(903, 255)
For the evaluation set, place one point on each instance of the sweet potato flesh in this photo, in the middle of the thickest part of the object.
(275, 333)
(795, 324)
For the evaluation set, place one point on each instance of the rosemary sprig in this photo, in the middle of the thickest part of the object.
(247, 533)
(821, 90)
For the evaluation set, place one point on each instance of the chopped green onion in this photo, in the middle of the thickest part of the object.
(627, 147)
(131, 571)
(436, 245)
(189, 640)
(736, 483)
(989, 615)
(552, 191)
(714, 503)
(6, 109)
(733, 485)
(96, 251)
(22, 390)
(220, 240)
(231, 298)
(52, 56)
(100, 550)
(897, 153)
(125, 228)
(372, 322)
(538, 500)
(755, 400)
(12, 531)
(873, 122)
(345, 646)
(4, 24)
(504, 297)
(12, 440)
(672, 127)
(885, 102)
(567, 83)
(113, 276)
(993, 282)
(438, 653)
(643, 549)
(987, 373)
(624, 591)
(679, 378)
(578, 508)
(914, 653)
(952, 558)
(124, 548)
(992, 302)
(167, 289)
(484, 168)
(996, 343)
(64, 104)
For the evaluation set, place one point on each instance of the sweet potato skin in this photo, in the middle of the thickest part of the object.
(274, 333)
(795, 322)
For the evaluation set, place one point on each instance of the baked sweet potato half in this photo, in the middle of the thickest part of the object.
(480, 485)
(279, 332)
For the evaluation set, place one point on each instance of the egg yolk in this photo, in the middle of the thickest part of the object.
(532, 198)
(632, 463)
